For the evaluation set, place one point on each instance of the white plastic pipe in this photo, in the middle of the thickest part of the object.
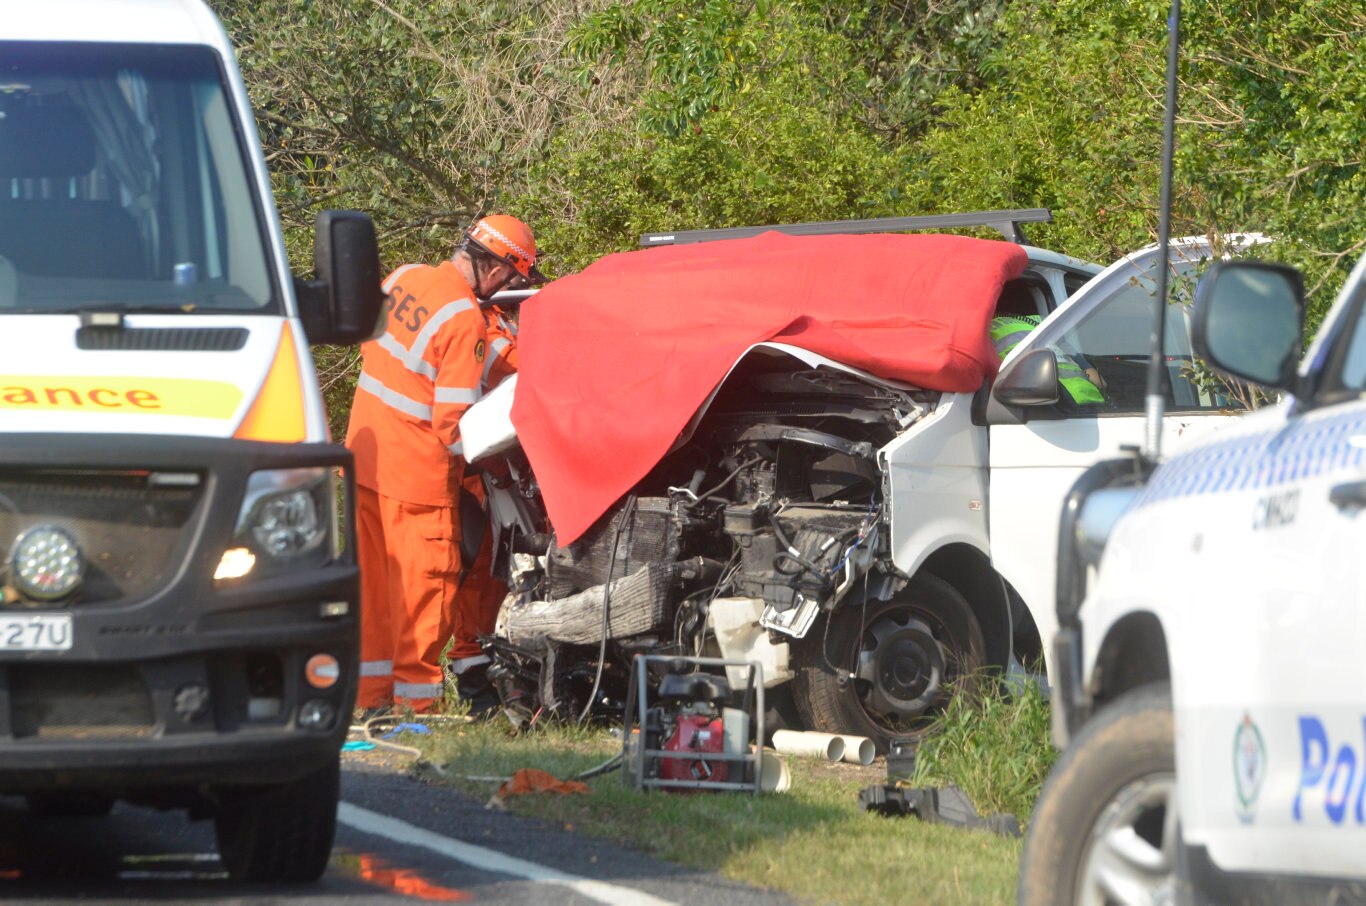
(858, 749)
(774, 776)
(809, 743)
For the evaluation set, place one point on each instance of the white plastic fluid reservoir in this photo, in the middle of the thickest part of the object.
(735, 621)
(735, 726)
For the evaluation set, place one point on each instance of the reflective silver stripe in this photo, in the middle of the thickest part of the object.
(498, 346)
(508, 327)
(376, 668)
(443, 314)
(460, 665)
(457, 395)
(413, 363)
(393, 399)
(507, 242)
(417, 690)
(457, 448)
(393, 278)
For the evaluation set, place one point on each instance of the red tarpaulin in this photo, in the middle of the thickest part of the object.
(616, 359)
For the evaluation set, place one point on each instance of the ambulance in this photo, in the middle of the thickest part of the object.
(178, 607)
(1210, 683)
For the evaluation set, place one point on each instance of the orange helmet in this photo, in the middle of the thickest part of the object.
(508, 240)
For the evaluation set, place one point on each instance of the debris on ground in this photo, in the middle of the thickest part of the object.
(534, 780)
(935, 805)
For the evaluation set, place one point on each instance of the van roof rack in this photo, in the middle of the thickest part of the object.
(1007, 223)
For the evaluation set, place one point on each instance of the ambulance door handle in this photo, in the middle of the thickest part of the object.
(1350, 495)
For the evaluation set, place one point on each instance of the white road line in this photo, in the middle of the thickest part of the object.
(369, 822)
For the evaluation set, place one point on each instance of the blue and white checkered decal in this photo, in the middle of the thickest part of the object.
(1298, 449)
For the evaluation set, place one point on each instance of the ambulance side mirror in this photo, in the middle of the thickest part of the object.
(344, 302)
(1249, 321)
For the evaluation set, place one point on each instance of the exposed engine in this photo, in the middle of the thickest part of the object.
(776, 495)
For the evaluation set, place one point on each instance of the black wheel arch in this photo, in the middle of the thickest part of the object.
(971, 574)
(1133, 654)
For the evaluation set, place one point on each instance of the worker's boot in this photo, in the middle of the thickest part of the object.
(472, 687)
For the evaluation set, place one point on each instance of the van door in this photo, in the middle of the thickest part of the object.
(1101, 339)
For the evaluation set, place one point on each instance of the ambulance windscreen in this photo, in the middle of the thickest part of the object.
(125, 184)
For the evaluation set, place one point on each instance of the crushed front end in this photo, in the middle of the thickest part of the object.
(774, 505)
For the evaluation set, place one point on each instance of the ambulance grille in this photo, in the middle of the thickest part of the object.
(128, 525)
(79, 702)
(162, 339)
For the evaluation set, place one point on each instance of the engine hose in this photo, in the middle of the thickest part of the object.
(607, 766)
(731, 477)
(627, 511)
(792, 554)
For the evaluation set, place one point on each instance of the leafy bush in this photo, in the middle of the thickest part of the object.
(993, 745)
(599, 120)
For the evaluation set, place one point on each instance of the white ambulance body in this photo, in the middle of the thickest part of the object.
(178, 624)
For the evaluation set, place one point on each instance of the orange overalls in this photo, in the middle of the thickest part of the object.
(482, 594)
(416, 380)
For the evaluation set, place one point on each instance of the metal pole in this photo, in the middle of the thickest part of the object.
(1157, 363)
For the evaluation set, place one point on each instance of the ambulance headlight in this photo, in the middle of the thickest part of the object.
(1099, 516)
(46, 563)
(287, 518)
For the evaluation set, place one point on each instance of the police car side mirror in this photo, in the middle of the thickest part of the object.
(1249, 321)
(1030, 380)
(344, 303)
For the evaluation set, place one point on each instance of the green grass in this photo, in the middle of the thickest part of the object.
(812, 842)
(995, 747)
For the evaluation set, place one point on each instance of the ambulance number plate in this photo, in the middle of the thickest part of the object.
(35, 632)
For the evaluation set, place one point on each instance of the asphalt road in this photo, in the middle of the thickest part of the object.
(399, 840)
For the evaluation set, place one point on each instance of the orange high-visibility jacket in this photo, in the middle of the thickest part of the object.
(502, 358)
(416, 380)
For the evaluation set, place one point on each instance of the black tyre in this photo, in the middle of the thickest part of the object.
(282, 833)
(1105, 827)
(70, 804)
(887, 669)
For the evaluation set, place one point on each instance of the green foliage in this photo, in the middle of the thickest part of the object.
(763, 159)
(1272, 122)
(699, 56)
(897, 54)
(599, 120)
(992, 745)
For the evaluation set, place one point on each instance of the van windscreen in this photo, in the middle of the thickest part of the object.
(124, 183)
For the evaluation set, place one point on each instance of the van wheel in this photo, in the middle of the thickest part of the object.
(70, 804)
(1105, 826)
(886, 669)
(282, 833)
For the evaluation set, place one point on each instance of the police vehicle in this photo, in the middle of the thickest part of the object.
(1211, 687)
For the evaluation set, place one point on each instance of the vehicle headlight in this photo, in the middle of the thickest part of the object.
(46, 563)
(1099, 515)
(287, 519)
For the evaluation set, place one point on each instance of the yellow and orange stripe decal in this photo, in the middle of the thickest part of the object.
(118, 395)
(278, 412)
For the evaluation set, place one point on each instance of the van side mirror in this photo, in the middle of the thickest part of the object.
(1030, 380)
(1249, 321)
(344, 303)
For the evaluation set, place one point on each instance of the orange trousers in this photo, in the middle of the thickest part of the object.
(410, 571)
(478, 600)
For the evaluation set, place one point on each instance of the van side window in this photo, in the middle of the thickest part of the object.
(1112, 346)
